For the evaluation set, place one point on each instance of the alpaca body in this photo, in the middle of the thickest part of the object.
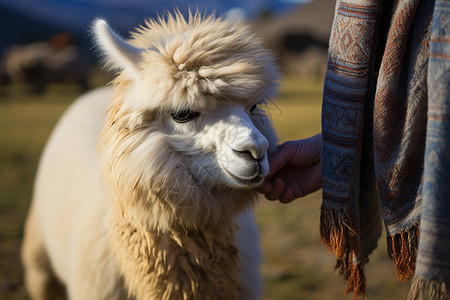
(145, 189)
(72, 205)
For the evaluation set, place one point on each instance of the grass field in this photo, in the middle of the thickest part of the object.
(296, 265)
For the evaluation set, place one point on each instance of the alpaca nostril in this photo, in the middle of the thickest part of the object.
(248, 141)
(250, 154)
(252, 149)
(244, 154)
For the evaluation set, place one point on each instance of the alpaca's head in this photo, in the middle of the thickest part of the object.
(186, 137)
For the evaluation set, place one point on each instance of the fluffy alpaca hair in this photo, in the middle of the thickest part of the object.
(187, 62)
(153, 199)
(178, 65)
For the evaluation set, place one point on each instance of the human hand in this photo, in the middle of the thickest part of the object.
(295, 170)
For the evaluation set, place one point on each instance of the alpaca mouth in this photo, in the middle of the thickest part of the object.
(246, 180)
(243, 170)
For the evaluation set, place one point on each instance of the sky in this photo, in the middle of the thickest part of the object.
(74, 14)
(24, 21)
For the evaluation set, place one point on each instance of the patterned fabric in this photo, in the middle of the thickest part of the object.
(382, 154)
(432, 277)
(345, 92)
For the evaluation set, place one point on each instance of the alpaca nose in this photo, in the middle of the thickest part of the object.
(253, 146)
(243, 137)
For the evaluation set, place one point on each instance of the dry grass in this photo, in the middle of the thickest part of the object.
(296, 265)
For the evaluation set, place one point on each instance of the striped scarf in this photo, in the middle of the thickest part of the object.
(386, 140)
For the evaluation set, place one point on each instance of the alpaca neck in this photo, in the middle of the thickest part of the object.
(178, 264)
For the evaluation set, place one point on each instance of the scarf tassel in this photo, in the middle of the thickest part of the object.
(339, 235)
(402, 248)
(356, 281)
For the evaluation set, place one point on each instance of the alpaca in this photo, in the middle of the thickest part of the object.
(42, 63)
(145, 189)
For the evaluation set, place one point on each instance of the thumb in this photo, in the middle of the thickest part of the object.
(300, 153)
(281, 157)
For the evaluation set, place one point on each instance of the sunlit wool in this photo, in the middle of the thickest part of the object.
(171, 214)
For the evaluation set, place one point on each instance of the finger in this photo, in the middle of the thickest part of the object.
(309, 180)
(287, 196)
(264, 188)
(277, 190)
(280, 158)
(300, 153)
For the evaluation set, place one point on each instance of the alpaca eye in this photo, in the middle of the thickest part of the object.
(184, 116)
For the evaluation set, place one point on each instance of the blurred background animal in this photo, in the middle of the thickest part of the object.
(42, 63)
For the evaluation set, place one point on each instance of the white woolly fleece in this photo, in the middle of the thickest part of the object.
(146, 189)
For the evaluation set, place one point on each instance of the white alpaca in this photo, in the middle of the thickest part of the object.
(145, 190)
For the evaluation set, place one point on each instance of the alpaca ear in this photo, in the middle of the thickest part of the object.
(118, 53)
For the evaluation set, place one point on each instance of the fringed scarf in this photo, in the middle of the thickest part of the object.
(386, 140)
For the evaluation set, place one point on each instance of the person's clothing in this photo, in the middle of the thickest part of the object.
(386, 140)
